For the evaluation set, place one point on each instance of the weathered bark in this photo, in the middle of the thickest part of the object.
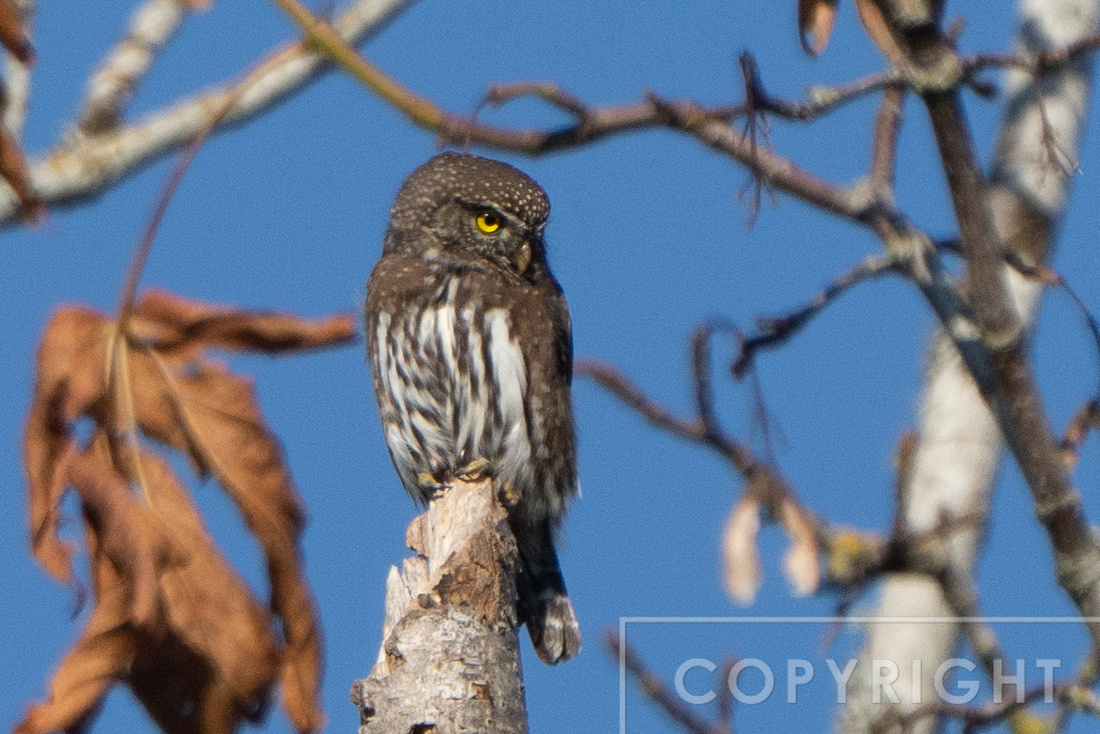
(960, 446)
(450, 660)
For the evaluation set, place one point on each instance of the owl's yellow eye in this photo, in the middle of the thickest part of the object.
(488, 222)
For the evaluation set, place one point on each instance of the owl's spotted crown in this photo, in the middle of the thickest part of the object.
(471, 180)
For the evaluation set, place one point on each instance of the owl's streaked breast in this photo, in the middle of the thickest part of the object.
(452, 382)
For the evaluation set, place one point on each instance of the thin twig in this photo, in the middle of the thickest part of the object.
(160, 207)
(778, 171)
(548, 92)
(823, 100)
(695, 430)
(772, 332)
(756, 131)
(1058, 158)
(976, 718)
(1050, 278)
(884, 149)
(765, 485)
(611, 379)
(656, 689)
(1047, 277)
(1035, 64)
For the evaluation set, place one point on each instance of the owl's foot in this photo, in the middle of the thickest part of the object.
(430, 486)
(475, 471)
(508, 494)
(554, 629)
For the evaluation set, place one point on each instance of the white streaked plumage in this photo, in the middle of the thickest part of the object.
(510, 376)
(443, 412)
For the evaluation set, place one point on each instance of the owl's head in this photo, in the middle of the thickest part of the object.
(470, 206)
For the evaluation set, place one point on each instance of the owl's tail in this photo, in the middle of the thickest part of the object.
(543, 603)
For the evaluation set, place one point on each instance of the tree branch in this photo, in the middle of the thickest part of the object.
(959, 443)
(449, 660)
(1014, 399)
(657, 690)
(81, 171)
(119, 75)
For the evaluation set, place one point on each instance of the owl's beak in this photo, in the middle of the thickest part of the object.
(521, 258)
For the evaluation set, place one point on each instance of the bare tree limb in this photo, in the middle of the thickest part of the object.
(884, 149)
(1016, 402)
(116, 80)
(81, 170)
(17, 79)
(657, 690)
(449, 660)
(959, 442)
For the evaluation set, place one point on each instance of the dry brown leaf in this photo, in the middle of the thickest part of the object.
(224, 430)
(875, 25)
(204, 657)
(743, 573)
(69, 380)
(201, 651)
(127, 533)
(176, 323)
(802, 560)
(222, 648)
(97, 660)
(816, 19)
(211, 414)
(13, 169)
(12, 35)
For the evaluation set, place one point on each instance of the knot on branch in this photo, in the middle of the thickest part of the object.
(1067, 501)
(1079, 572)
(941, 75)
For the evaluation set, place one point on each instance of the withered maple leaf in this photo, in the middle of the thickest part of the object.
(13, 34)
(816, 19)
(172, 618)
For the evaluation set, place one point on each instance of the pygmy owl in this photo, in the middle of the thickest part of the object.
(469, 337)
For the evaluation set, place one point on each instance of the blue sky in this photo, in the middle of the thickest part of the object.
(647, 237)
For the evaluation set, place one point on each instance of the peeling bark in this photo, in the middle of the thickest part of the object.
(450, 659)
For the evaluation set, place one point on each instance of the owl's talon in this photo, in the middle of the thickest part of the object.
(508, 494)
(475, 471)
(429, 485)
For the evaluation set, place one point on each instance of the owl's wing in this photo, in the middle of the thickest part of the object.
(558, 312)
(544, 329)
(547, 341)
